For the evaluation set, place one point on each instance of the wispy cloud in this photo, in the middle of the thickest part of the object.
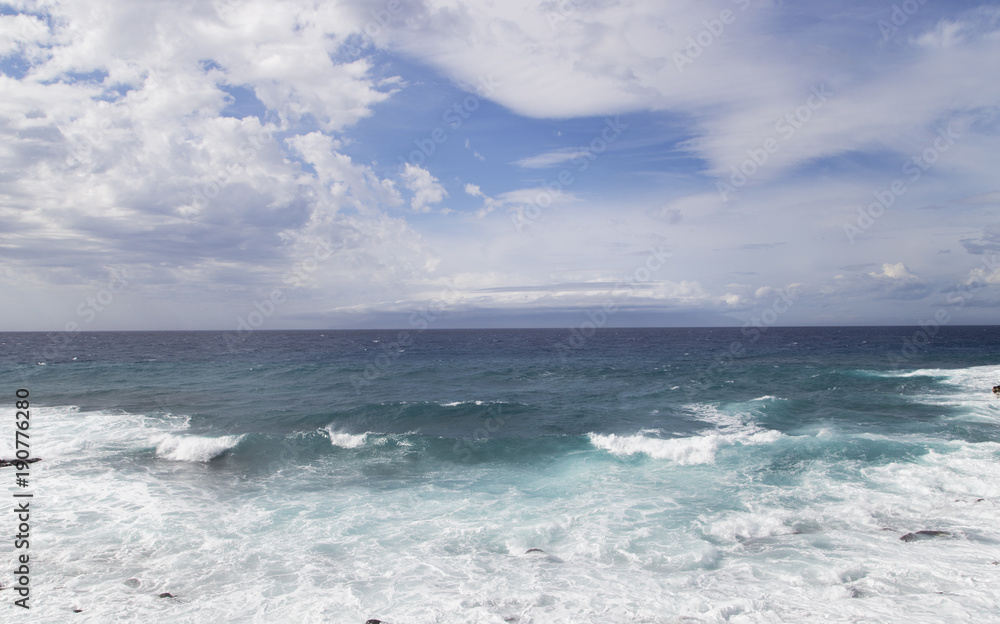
(550, 159)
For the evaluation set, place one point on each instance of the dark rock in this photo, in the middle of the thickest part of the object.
(374, 622)
(166, 595)
(10, 462)
(922, 535)
(531, 550)
(77, 610)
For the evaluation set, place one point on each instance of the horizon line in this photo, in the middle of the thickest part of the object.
(439, 329)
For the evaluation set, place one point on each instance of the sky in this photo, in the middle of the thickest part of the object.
(243, 165)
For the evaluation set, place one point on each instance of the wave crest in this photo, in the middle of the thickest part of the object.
(685, 451)
(194, 448)
(345, 440)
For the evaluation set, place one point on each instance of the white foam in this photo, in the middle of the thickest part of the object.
(973, 377)
(345, 440)
(738, 418)
(700, 449)
(967, 388)
(723, 420)
(194, 448)
(741, 526)
(70, 434)
(473, 402)
(622, 543)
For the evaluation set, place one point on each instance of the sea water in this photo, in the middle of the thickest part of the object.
(664, 475)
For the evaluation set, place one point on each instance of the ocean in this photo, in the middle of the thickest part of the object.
(497, 476)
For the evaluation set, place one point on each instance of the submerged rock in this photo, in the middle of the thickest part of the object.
(922, 535)
(531, 550)
(166, 595)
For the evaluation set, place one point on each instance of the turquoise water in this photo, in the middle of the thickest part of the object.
(341, 476)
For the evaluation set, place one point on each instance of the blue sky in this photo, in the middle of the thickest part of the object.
(192, 165)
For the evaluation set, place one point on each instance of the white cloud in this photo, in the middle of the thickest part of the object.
(116, 152)
(425, 187)
(474, 190)
(896, 271)
(475, 153)
(499, 291)
(944, 36)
